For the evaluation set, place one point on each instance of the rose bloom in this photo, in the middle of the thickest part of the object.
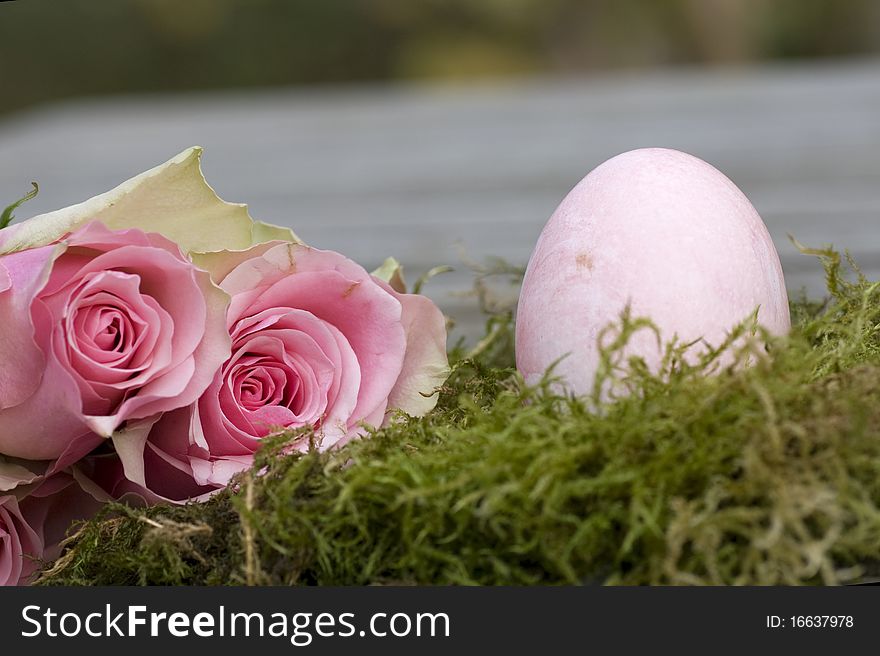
(20, 544)
(34, 519)
(316, 341)
(101, 328)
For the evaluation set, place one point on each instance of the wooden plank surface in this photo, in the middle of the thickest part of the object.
(430, 173)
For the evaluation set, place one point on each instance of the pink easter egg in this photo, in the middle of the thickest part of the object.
(657, 229)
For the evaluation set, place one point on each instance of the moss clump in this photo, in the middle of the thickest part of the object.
(766, 474)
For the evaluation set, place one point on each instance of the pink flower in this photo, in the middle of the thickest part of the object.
(101, 328)
(316, 341)
(20, 545)
(34, 519)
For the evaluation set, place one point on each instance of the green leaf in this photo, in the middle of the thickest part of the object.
(436, 271)
(6, 217)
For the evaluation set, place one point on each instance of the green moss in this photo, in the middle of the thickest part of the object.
(762, 474)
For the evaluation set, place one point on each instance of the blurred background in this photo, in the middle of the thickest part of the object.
(447, 131)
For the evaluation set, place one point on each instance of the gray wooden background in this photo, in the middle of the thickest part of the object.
(442, 175)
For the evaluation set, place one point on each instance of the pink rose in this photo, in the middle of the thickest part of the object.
(101, 328)
(34, 519)
(20, 545)
(316, 341)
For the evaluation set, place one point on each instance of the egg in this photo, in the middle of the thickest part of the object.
(658, 230)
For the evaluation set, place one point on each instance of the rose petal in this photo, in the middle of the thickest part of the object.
(425, 365)
(5, 280)
(27, 430)
(22, 359)
(16, 473)
(220, 263)
(145, 469)
(172, 199)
